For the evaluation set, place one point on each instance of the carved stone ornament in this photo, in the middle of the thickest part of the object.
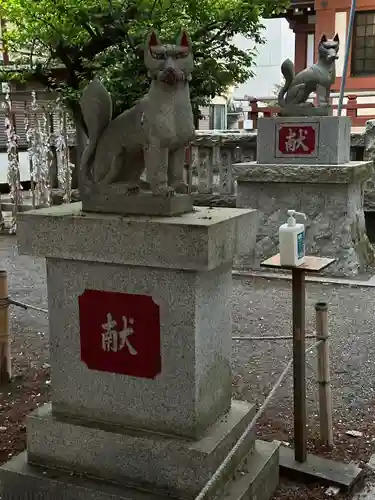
(150, 138)
(317, 78)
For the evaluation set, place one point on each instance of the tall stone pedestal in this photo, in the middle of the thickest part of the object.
(140, 347)
(303, 164)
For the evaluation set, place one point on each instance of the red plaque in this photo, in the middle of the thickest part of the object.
(297, 140)
(120, 333)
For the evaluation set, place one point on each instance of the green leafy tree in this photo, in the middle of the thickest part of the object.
(104, 38)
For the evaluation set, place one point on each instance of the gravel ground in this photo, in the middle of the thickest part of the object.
(260, 308)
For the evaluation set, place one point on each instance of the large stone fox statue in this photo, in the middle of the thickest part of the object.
(317, 78)
(150, 136)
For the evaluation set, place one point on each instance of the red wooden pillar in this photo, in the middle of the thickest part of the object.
(352, 110)
(253, 113)
(300, 51)
(301, 28)
(325, 23)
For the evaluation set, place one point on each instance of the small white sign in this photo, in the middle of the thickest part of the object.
(4, 87)
(248, 125)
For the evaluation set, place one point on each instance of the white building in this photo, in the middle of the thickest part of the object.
(279, 46)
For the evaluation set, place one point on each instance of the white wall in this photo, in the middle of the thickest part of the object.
(279, 46)
(24, 167)
(341, 21)
(310, 56)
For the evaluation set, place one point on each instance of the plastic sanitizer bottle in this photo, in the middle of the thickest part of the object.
(292, 241)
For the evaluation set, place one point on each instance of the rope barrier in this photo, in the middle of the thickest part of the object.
(281, 337)
(25, 306)
(221, 469)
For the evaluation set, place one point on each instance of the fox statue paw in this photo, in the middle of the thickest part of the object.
(163, 190)
(181, 187)
(132, 188)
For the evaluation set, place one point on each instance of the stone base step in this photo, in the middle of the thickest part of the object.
(21, 481)
(257, 479)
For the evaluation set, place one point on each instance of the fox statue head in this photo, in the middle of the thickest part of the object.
(328, 48)
(169, 64)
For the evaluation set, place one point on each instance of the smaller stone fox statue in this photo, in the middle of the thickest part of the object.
(317, 78)
(152, 135)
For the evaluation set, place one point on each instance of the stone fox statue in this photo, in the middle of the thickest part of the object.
(317, 78)
(150, 136)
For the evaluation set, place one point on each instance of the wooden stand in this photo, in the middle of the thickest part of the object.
(302, 463)
(324, 382)
(5, 362)
(311, 264)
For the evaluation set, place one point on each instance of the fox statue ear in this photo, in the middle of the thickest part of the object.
(336, 38)
(323, 39)
(183, 39)
(152, 39)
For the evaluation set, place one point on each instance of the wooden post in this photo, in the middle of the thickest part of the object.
(253, 114)
(5, 362)
(2, 222)
(351, 107)
(299, 364)
(325, 396)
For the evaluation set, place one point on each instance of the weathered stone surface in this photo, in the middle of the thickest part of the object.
(311, 110)
(357, 140)
(332, 135)
(369, 155)
(214, 200)
(257, 479)
(202, 240)
(183, 266)
(195, 347)
(248, 139)
(320, 174)
(57, 196)
(112, 199)
(199, 199)
(335, 225)
(153, 460)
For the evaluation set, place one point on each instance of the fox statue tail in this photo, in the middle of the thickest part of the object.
(96, 108)
(287, 69)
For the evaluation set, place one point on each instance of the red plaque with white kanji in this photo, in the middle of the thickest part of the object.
(297, 140)
(120, 333)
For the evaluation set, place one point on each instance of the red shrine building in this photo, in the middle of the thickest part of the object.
(310, 19)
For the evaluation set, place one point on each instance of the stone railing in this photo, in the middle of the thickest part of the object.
(211, 156)
(209, 162)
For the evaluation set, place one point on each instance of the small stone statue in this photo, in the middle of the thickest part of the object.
(149, 137)
(317, 78)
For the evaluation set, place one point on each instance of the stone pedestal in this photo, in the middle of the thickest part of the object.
(114, 199)
(315, 140)
(330, 196)
(140, 347)
(303, 164)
